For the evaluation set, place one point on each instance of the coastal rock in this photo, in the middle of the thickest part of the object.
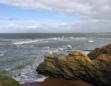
(7, 81)
(72, 66)
(77, 66)
(98, 51)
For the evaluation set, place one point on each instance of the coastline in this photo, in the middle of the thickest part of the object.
(59, 82)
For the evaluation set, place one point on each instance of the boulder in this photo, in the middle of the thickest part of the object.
(7, 81)
(77, 65)
(98, 51)
(72, 66)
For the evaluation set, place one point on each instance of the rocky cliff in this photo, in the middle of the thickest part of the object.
(98, 51)
(77, 66)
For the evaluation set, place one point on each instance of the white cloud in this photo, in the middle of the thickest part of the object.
(46, 27)
(96, 9)
(98, 13)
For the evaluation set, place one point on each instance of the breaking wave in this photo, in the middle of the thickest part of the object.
(47, 40)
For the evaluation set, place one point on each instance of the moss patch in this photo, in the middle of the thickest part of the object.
(7, 81)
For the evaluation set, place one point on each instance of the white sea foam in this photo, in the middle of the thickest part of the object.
(58, 38)
(47, 40)
(39, 41)
(69, 47)
(85, 52)
(91, 41)
(78, 38)
(41, 79)
(1, 54)
(28, 75)
(7, 69)
(24, 78)
(25, 42)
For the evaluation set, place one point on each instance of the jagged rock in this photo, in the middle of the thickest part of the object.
(7, 81)
(78, 66)
(98, 51)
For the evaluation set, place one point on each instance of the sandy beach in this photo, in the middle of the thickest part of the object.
(59, 82)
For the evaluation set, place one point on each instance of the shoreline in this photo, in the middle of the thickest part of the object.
(59, 82)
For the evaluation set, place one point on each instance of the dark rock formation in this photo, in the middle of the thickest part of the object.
(78, 66)
(7, 81)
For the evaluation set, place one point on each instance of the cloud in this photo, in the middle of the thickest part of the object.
(96, 12)
(53, 27)
(91, 26)
(7, 18)
(96, 9)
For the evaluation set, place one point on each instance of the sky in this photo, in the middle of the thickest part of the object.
(55, 16)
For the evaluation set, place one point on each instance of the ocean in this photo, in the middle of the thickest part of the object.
(21, 53)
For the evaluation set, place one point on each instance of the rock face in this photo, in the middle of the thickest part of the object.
(64, 66)
(98, 51)
(78, 66)
(6, 81)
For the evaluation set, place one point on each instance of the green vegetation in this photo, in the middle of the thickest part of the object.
(7, 81)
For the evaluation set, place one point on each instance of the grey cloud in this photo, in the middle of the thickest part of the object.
(96, 9)
(44, 27)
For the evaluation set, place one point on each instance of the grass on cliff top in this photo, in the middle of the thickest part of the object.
(7, 81)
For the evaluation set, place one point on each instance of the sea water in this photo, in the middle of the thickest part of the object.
(21, 53)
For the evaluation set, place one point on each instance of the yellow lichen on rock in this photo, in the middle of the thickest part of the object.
(77, 65)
